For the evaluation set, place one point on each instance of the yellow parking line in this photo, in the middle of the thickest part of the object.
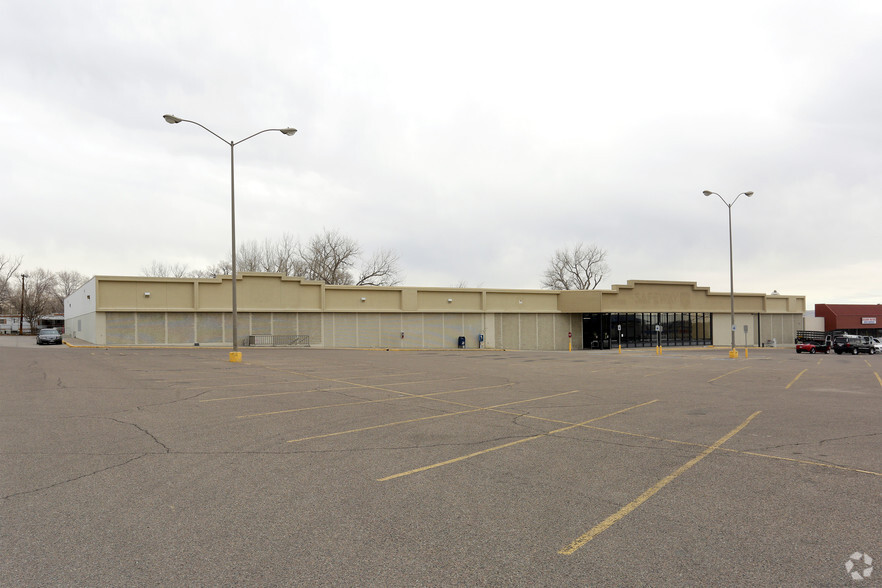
(435, 416)
(350, 387)
(408, 397)
(524, 440)
(249, 381)
(751, 453)
(793, 381)
(728, 374)
(287, 392)
(377, 387)
(806, 462)
(373, 375)
(878, 378)
(634, 504)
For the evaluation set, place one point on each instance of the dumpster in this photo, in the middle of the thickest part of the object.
(461, 343)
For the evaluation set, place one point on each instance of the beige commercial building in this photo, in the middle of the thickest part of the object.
(273, 308)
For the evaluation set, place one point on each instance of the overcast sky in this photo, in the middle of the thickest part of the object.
(473, 138)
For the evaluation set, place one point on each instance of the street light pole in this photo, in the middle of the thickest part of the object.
(21, 316)
(171, 119)
(732, 353)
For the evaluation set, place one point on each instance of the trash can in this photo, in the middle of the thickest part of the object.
(461, 343)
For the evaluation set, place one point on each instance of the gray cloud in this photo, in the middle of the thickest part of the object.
(474, 139)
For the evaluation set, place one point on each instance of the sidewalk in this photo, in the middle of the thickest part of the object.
(18, 341)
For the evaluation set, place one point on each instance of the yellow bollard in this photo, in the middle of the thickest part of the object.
(733, 353)
(745, 353)
(236, 356)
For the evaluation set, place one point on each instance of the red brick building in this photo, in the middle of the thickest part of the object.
(859, 319)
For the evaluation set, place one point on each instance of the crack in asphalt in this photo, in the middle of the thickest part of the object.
(822, 441)
(175, 401)
(819, 442)
(143, 430)
(73, 479)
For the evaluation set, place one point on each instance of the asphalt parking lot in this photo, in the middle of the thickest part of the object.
(310, 467)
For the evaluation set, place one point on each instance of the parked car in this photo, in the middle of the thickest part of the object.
(813, 347)
(49, 337)
(853, 344)
(877, 344)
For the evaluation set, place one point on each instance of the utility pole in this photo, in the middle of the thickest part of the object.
(21, 316)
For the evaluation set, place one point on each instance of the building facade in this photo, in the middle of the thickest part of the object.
(111, 310)
(857, 319)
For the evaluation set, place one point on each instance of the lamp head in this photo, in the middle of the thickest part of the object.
(749, 193)
(171, 119)
(707, 192)
(288, 131)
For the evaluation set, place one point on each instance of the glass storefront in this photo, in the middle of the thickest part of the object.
(646, 329)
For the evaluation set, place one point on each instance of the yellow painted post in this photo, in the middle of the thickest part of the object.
(236, 356)
(745, 353)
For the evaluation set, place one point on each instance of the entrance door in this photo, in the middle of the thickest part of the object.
(595, 330)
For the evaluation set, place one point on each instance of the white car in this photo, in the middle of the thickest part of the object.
(877, 343)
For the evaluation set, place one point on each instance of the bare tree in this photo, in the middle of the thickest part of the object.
(163, 270)
(221, 268)
(582, 267)
(380, 270)
(272, 256)
(67, 282)
(329, 257)
(39, 295)
(249, 257)
(280, 256)
(8, 267)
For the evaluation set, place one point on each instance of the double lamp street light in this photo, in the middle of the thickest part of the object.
(235, 355)
(732, 352)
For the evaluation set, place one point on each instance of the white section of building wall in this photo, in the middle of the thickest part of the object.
(722, 325)
(82, 327)
(814, 323)
(79, 313)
